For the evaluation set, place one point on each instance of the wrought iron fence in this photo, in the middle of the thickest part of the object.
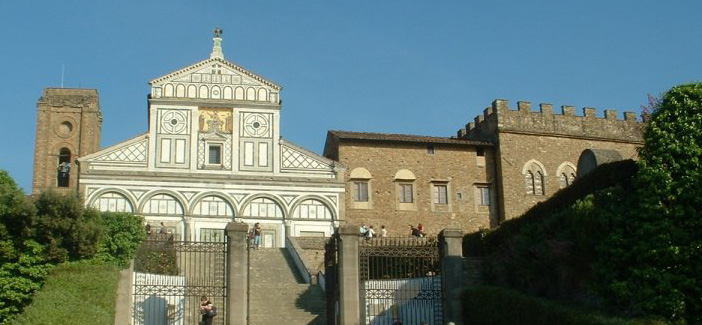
(171, 276)
(400, 280)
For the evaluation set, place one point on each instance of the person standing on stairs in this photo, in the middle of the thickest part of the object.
(257, 235)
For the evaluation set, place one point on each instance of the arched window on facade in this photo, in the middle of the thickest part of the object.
(64, 168)
(534, 178)
(361, 188)
(566, 174)
(404, 188)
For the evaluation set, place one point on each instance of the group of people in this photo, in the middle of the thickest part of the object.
(417, 231)
(369, 232)
(150, 230)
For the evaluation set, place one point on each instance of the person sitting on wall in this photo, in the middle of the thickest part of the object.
(420, 228)
(163, 230)
(414, 232)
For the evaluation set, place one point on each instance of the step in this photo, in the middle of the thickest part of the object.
(278, 294)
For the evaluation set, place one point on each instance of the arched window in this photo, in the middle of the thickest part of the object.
(404, 188)
(262, 208)
(534, 174)
(163, 204)
(360, 180)
(64, 168)
(312, 209)
(213, 206)
(566, 174)
(113, 202)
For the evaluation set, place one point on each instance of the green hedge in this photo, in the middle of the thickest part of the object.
(496, 306)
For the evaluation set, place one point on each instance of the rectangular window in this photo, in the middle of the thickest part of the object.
(360, 191)
(484, 195)
(440, 194)
(180, 151)
(214, 154)
(165, 150)
(263, 154)
(406, 193)
(248, 153)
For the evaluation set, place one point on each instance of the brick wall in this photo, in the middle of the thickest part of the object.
(66, 118)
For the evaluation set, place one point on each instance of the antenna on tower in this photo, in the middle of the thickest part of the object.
(63, 67)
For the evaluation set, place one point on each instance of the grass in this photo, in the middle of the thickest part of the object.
(75, 293)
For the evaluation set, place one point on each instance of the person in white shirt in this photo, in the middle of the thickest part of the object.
(370, 233)
(383, 231)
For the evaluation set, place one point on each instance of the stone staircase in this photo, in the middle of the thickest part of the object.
(278, 295)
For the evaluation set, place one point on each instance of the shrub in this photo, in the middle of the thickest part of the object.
(122, 236)
(20, 278)
(493, 305)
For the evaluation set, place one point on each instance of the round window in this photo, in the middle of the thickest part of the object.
(65, 129)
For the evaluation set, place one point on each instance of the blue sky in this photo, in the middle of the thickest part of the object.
(414, 67)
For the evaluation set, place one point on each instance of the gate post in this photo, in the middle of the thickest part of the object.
(237, 273)
(452, 274)
(350, 308)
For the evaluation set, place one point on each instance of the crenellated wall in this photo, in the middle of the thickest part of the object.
(527, 142)
(523, 120)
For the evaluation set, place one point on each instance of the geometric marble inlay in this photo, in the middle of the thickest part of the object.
(292, 158)
(136, 152)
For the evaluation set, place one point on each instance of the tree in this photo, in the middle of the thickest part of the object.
(68, 231)
(658, 245)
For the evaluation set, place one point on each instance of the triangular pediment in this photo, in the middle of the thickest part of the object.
(215, 78)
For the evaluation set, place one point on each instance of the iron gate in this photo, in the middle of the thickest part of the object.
(171, 276)
(400, 280)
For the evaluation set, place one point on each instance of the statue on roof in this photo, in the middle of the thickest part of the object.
(217, 32)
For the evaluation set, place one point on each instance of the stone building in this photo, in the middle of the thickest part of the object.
(537, 152)
(396, 180)
(213, 153)
(495, 169)
(68, 126)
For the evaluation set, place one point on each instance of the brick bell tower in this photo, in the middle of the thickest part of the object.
(68, 127)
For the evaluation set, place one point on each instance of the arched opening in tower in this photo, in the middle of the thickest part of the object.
(64, 168)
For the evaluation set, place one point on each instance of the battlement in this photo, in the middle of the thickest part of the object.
(500, 118)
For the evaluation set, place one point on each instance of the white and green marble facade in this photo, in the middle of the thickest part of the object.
(214, 153)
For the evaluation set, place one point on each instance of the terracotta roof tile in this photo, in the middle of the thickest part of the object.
(405, 138)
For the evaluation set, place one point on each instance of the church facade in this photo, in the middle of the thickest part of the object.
(213, 153)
